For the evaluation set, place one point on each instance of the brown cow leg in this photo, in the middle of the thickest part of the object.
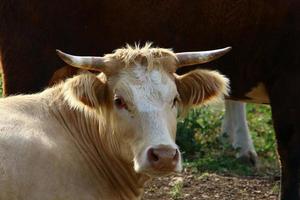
(289, 151)
(285, 111)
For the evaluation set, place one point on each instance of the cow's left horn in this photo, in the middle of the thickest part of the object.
(84, 62)
(199, 57)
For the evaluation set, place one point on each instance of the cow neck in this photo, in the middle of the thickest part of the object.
(102, 151)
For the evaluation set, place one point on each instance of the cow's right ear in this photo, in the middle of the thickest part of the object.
(85, 91)
(201, 87)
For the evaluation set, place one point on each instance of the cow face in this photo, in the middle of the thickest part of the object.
(144, 95)
(145, 104)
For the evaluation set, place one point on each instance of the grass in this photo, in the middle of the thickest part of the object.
(176, 190)
(204, 149)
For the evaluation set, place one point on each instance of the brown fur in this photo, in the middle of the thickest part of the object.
(95, 27)
(200, 87)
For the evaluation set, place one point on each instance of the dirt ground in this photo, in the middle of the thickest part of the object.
(191, 186)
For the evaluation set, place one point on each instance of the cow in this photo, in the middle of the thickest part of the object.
(263, 66)
(102, 136)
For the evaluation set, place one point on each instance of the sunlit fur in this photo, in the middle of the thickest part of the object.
(146, 55)
(201, 87)
(84, 141)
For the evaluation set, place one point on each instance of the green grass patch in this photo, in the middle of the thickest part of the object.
(176, 191)
(204, 150)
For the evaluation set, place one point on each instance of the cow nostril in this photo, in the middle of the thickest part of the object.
(152, 156)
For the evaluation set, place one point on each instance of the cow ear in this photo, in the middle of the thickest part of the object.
(85, 91)
(201, 87)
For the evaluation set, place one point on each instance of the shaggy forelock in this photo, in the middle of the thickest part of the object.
(147, 54)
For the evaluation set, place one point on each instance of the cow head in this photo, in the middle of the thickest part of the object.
(145, 96)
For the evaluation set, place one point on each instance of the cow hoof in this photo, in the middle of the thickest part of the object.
(249, 158)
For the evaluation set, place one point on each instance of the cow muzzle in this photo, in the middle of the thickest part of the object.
(163, 159)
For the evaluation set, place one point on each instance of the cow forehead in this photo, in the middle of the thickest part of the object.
(153, 87)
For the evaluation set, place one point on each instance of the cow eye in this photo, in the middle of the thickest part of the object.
(119, 102)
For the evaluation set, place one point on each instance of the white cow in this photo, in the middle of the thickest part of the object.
(102, 137)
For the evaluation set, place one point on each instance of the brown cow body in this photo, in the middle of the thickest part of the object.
(264, 36)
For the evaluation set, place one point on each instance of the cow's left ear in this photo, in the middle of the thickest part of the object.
(201, 87)
(85, 91)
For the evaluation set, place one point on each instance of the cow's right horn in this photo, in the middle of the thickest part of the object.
(85, 62)
(199, 57)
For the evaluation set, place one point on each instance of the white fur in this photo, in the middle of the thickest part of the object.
(151, 95)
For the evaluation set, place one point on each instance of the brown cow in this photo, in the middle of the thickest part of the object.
(264, 35)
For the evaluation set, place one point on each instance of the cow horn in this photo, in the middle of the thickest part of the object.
(199, 57)
(84, 62)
